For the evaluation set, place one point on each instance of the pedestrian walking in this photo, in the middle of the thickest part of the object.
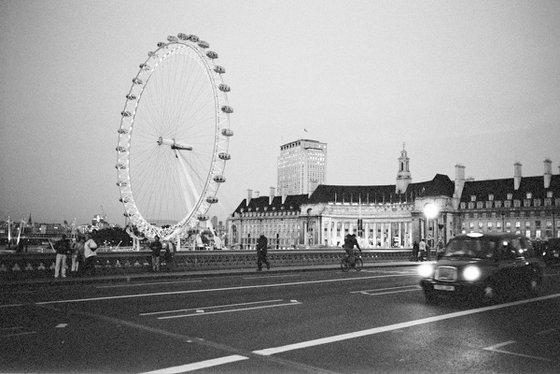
(156, 247)
(168, 255)
(262, 252)
(90, 255)
(77, 256)
(422, 250)
(415, 251)
(62, 248)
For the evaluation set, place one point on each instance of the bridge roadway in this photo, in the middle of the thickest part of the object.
(286, 320)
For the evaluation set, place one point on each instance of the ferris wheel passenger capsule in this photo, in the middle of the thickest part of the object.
(172, 39)
(137, 81)
(131, 97)
(219, 179)
(224, 156)
(152, 54)
(212, 55)
(224, 87)
(122, 131)
(202, 217)
(126, 113)
(227, 109)
(193, 38)
(211, 199)
(122, 183)
(123, 200)
(203, 44)
(182, 36)
(219, 69)
(121, 149)
(145, 66)
(120, 166)
(161, 44)
(227, 132)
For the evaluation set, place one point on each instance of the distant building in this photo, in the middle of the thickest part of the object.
(384, 216)
(302, 166)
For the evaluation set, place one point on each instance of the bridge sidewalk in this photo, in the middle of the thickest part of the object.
(101, 278)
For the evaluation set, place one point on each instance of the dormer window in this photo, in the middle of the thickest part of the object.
(491, 197)
(473, 197)
(529, 195)
(509, 196)
(549, 194)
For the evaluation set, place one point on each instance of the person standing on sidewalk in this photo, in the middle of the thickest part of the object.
(90, 255)
(262, 252)
(78, 256)
(62, 248)
(156, 247)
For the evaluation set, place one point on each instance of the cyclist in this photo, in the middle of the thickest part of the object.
(349, 242)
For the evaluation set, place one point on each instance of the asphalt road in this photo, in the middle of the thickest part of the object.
(274, 322)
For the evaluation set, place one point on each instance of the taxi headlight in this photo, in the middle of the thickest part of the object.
(471, 273)
(426, 270)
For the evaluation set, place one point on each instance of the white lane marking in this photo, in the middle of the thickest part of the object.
(544, 332)
(202, 312)
(210, 307)
(147, 284)
(11, 305)
(350, 279)
(396, 326)
(271, 276)
(199, 365)
(387, 291)
(495, 348)
(61, 325)
(18, 334)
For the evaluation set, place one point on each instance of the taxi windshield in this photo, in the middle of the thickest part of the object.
(470, 247)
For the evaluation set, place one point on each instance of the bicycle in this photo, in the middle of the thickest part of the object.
(346, 264)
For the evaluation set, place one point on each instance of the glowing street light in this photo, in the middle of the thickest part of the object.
(431, 211)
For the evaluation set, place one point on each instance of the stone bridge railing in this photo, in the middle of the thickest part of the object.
(36, 265)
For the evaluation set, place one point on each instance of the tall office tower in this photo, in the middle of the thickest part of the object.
(302, 166)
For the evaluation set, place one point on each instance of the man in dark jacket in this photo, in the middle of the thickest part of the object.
(262, 247)
(62, 248)
(156, 247)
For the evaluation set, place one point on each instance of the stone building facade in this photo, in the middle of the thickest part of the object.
(389, 216)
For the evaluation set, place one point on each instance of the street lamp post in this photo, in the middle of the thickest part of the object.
(431, 212)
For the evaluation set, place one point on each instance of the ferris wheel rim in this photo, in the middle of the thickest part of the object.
(222, 133)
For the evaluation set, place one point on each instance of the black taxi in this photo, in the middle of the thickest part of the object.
(484, 266)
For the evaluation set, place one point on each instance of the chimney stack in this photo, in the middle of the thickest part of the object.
(547, 172)
(459, 180)
(271, 195)
(249, 196)
(516, 175)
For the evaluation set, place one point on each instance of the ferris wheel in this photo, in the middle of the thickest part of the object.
(173, 138)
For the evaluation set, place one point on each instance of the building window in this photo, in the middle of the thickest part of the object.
(507, 204)
(491, 197)
(479, 204)
(463, 205)
(509, 196)
(489, 204)
(517, 203)
(498, 203)
(549, 194)
(529, 195)
(473, 197)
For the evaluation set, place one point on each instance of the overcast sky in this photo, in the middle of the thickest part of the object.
(469, 82)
